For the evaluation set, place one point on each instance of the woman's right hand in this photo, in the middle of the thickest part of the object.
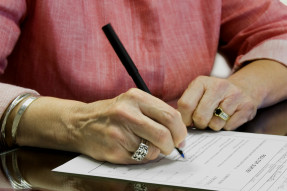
(108, 130)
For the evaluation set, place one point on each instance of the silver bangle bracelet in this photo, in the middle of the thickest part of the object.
(18, 116)
(10, 108)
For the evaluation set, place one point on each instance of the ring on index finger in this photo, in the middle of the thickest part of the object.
(141, 152)
(220, 113)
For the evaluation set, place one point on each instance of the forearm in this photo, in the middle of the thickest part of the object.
(44, 124)
(107, 130)
(264, 80)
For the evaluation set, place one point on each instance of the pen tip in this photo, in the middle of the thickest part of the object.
(180, 152)
(182, 155)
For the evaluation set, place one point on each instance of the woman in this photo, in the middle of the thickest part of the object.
(87, 103)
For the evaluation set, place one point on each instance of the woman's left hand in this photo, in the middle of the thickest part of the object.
(205, 94)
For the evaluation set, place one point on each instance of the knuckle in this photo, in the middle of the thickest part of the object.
(116, 135)
(222, 84)
(118, 109)
(121, 111)
(169, 151)
(184, 105)
(200, 120)
(216, 127)
(197, 80)
(140, 123)
(153, 153)
(169, 116)
(177, 114)
(235, 94)
(115, 155)
(229, 127)
(250, 108)
(162, 136)
(134, 94)
(200, 78)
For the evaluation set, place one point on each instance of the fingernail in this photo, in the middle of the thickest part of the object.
(181, 145)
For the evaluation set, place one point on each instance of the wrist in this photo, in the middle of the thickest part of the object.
(11, 117)
(263, 80)
(256, 94)
(47, 124)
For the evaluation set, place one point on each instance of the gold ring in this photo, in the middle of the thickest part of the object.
(220, 113)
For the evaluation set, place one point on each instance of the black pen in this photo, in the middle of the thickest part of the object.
(127, 62)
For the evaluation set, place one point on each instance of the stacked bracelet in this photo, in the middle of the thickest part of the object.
(18, 116)
(10, 108)
(9, 134)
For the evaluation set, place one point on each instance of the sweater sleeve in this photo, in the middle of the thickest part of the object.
(253, 30)
(11, 14)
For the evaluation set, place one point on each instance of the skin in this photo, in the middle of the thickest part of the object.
(259, 84)
(108, 130)
(111, 130)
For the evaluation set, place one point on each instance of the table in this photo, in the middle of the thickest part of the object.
(34, 165)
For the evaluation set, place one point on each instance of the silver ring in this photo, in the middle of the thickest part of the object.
(140, 187)
(220, 113)
(141, 152)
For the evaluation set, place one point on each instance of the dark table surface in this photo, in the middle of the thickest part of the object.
(35, 165)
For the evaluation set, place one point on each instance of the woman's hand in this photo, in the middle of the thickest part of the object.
(109, 130)
(259, 84)
(205, 94)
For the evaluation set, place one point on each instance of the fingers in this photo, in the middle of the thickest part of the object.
(157, 134)
(156, 121)
(217, 123)
(229, 106)
(131, 117)
(120, 147)
(152, 153)
(243, 114)
(205, 94)
(189, 101)
(239, 109)
(164, 126)
(204, 110)
(130, 142)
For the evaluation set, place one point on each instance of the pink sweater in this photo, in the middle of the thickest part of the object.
(57, 48)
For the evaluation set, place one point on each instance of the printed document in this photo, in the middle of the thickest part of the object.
(225, 160)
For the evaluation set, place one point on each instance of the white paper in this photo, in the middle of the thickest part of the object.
(225, 160)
